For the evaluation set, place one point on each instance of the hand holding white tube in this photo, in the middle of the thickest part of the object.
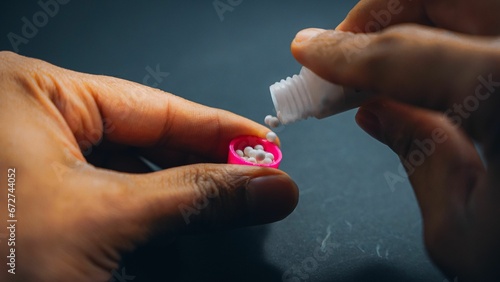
(438, 88)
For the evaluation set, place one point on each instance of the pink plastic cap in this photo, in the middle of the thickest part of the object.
(239, 143)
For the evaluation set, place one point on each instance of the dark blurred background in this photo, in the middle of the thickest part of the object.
(351, 224)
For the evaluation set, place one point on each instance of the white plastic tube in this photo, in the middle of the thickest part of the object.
(308, 95)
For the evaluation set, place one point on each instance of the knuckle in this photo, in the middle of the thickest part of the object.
(30, 76)
(209, 181)
(205, 179)
(385, 56)
(403, 29)
(376, 59)
(383, 45)
(392, 40)
(8, 55)
(215, 189)
(9, 66)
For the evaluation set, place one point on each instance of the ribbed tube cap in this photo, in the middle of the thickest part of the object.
(302, 96)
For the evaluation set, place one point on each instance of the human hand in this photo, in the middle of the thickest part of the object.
(417, 73)
(75, 219)
(476, 17)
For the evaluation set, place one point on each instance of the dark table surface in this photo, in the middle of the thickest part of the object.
(350, 223)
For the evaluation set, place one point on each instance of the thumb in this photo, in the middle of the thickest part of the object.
(207, 196)
(443, 167)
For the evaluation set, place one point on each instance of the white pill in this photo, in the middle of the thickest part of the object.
(240, 153)
(270, 156)
(267, 161)
(274, 122)
(271, 136)
(259, 147)
(252, 160)
(252, 153)
(267, 119)
(247, 150)
(260, 156)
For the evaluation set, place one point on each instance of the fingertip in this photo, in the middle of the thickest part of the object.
(271, 198)
(307, 34)
(301, 44)
(328, 53)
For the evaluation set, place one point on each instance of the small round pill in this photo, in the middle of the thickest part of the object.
(240, 153)
(270, 156)
(267, 161)
(260, 156)
(252, 153)
(271, 136)
(247, 150)
(274, 122)
(252, 160)
(267, 119)
(259, 147)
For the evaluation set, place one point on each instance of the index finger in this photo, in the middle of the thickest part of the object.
(144, 116)
(476, 17)
(96, 106)
(375, 15)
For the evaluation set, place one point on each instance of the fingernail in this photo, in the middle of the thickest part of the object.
(370, 123)
(270, 198)
(307, 34)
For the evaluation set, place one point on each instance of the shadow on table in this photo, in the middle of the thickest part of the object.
(223, 256)
(374, 272)
(238, 256)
